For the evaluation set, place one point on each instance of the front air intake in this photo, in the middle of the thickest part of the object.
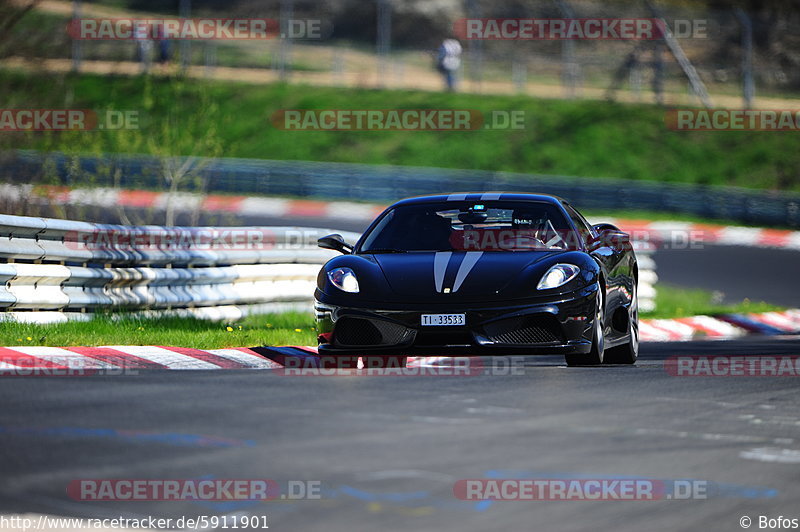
(525, 330)
(349, 332)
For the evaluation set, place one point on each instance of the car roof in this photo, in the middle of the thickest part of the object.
(481, 196)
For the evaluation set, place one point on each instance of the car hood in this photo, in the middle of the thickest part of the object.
(464, 276)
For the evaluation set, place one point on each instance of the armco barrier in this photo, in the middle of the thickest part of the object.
(646, 288)
(386, 184)
(77, 267)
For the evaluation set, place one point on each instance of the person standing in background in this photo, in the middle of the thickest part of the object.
(144, 45)
(448, 61)
(163, 44)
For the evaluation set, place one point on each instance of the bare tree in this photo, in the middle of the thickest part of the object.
(185, 140)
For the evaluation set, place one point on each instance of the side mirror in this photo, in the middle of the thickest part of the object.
(336, 243)
(599, 228)
(611, 237)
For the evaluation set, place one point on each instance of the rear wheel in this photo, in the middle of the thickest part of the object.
(628, 352)
(597, 353)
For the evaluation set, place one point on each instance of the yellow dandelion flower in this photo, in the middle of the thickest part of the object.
(229, 328)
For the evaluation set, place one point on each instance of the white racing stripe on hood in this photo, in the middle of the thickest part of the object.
(470, 259)
(490, 196)
(456, 197)
(440, 261)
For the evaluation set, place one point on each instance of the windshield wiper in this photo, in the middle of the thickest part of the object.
(385, 250)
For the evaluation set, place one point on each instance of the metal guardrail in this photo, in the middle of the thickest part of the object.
(77, 267)
(648, 278)
(384, 184)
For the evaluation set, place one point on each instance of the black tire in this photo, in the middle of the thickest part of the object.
(384, 362)
(596, 356)
(628, 352)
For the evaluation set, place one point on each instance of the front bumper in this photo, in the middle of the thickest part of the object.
(560, 326)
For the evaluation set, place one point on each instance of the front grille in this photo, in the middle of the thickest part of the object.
(524, 330)
(351, 331)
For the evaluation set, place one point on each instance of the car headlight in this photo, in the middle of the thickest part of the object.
(558, 275)
(344, 279)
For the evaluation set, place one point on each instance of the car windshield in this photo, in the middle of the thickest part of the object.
(471, 226)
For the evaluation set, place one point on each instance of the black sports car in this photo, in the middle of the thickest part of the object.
(480, 274)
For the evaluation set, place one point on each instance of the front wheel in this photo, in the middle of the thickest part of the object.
(628, 352)
(597, 353)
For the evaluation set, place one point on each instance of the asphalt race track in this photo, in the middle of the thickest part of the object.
(388, 450)
(771, 275)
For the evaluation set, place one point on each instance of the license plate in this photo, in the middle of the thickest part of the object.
(443, 319)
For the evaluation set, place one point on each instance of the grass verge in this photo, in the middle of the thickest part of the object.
(677, 302)
(251, 331)
(577, 138)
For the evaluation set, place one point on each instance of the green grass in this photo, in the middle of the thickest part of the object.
(580, 138)
(676, 302)
(252, 331)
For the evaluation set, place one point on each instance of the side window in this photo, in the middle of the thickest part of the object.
(586, 224)
(581, 224)
(380, 236)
